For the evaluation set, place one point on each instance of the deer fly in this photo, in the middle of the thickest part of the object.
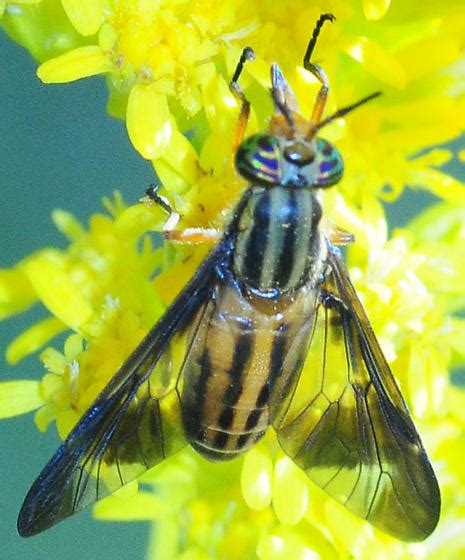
(272, 299)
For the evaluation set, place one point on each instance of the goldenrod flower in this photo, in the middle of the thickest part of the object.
(167, 66)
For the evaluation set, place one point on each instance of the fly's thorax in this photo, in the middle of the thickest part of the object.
(278, 245)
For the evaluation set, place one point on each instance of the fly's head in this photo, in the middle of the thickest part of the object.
(290, 153)
(269, 160)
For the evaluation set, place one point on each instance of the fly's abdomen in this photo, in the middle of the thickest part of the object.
(239, 351)
(277, 240)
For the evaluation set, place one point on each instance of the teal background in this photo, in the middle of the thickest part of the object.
(59, 149)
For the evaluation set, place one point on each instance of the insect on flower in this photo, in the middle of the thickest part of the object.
(225, 360)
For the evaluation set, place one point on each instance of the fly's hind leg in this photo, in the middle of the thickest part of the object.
(169, 232)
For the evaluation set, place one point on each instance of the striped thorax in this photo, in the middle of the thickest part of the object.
(277, 240)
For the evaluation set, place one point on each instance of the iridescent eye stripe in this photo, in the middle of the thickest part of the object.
(330, 164)
(258, 159)
(267, 166)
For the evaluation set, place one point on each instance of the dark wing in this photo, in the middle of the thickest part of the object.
(347, 425)
(134, 423)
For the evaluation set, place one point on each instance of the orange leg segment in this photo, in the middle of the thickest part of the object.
(247, 54)
(341, 237)
(188, 235)
(317, 71)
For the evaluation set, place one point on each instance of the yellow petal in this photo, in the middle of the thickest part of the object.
(19, 397)
(438, 223)
(354, 531)
(74, 65)
(277, 547)
(73, 346)
(375, 9)
(16, 292)
(44, 416)
(441, 184)
(376, 60)
(169, 176)
(290, 494)
(51, 385)
(33, 338)
(115, 204)
(138, 507)
(428, 55)
(169, 283)
(182, 157)
(56, 290)
(107, 36)
(85, 15)
(67, 224)
(66, 420)
(148, 121)
(216, 152)
(435, 157)
(221, 108)
(53, 360)
(138, 219)
(256, 477)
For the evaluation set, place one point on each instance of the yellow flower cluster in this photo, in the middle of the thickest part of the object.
(167, 66)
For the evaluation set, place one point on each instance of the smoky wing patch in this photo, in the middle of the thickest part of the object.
(134, 423)
(348, 427)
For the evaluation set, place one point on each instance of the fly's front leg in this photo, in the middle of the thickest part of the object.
(191, 236)
(206, 235)
(169, 232)
(317, 71)
(247, 54)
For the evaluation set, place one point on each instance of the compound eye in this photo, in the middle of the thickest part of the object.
(329, 164)
(258, 159)
(299, 153)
